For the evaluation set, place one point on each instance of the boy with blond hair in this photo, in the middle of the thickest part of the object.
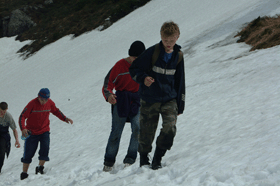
(162, 92)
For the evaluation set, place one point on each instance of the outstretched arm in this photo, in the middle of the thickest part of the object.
(55, 111)
(68, 120)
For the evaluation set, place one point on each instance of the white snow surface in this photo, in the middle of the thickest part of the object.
(228, 134)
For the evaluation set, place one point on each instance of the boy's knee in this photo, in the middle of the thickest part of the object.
(26, 160)
(169, 129)
(165, 140)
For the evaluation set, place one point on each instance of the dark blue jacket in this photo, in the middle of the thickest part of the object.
(169, 77)
(4, 133)
(128, 103)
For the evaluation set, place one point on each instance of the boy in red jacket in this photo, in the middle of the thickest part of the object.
(125, 106)
(37, 128)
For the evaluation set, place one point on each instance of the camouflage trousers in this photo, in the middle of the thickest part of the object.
(149, 118)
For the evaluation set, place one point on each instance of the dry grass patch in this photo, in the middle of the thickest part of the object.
(261, 33)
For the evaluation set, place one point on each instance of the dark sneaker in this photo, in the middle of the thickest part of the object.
(107, 168)
(39, 169)
(128, 161)
(144, 160)
(23, 175)
(127, 165)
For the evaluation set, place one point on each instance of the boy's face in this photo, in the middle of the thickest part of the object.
(43, 100)
(169, 42)
(2, 112)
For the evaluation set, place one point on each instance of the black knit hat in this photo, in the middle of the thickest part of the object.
(136, 48)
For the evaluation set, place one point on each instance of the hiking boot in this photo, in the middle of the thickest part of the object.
(39, 169)
(23, 175)
(107, 168)
(156, 163)
(144, 159)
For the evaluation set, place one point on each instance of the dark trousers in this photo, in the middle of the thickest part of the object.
(31, 145)
(149, 117)
(2, 151)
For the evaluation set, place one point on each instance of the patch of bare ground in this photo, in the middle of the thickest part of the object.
(261, 33)
(64, 17)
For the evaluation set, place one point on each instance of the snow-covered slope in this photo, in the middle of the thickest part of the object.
(228, 134)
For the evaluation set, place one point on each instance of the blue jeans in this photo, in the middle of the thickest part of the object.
(115, 137)
(31, 145)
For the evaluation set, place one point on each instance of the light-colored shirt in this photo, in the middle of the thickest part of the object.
(8, 120)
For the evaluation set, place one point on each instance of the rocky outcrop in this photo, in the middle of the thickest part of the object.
(48, 2)
(16, 23)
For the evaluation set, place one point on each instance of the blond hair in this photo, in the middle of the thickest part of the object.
(169, 28)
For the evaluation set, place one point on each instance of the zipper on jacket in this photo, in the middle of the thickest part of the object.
(165, 69)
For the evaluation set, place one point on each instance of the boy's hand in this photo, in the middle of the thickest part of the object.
(148, 81)
(17, 144)
(68, 120)
(24, 132)
(112, 99)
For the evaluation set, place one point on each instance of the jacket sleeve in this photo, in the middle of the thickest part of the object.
(180, 86)
(24, 115)
(106, 93)
(55, 111)
(141, 65)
